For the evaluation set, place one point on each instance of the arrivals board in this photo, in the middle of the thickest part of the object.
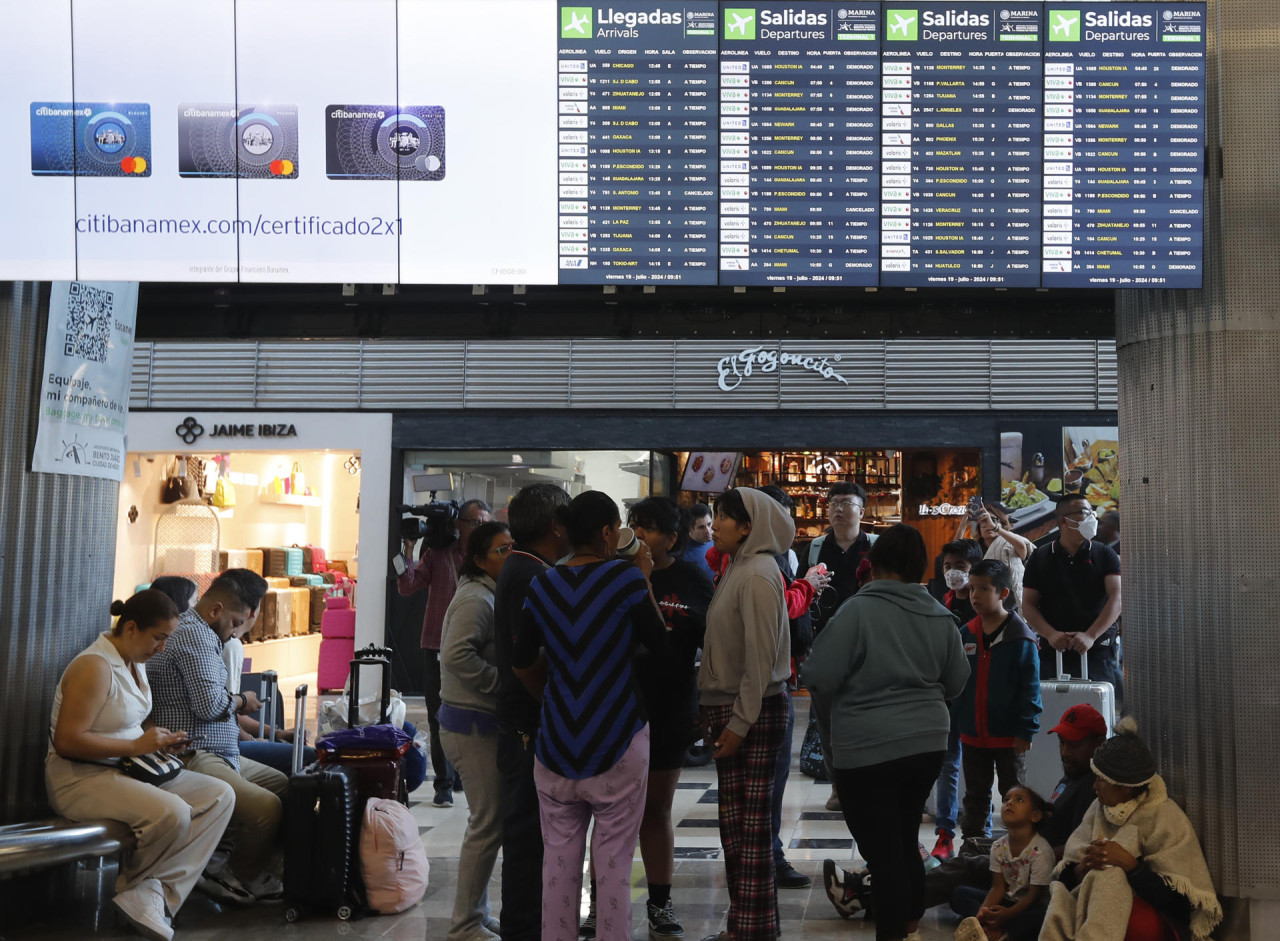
(637, 143)
(979, 143)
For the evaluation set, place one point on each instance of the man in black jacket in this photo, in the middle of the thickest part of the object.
(540, 541)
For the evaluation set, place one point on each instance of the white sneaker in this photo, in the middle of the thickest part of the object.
(143, 908)
(220, 883)
(266, 888)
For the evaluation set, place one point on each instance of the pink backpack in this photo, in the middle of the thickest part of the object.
(393, 860)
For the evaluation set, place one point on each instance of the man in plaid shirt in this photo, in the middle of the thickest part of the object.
(437, 571)
(189, 691)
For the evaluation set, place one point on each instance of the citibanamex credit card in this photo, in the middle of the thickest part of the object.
(90, 138)
(383, 142)
(256, 142)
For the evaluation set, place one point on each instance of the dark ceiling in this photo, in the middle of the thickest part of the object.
(251, 310)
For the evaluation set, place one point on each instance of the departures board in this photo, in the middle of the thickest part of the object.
(936, 144)
(980, 143)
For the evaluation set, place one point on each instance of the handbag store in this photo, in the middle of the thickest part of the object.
(302, 498)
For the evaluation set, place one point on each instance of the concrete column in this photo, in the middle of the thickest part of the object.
(57, 551)
(1200, 421)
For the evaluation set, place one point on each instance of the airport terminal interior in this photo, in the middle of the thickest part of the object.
(295, 295)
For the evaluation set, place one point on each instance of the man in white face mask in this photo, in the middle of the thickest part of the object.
(1071, 597)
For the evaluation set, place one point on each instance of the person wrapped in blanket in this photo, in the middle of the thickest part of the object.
(1133, 870)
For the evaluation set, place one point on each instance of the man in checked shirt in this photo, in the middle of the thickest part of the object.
(189, 692)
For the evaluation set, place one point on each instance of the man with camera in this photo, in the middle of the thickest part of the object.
(437, 571)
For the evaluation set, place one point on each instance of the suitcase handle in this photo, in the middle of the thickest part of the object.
(1084, 667)
(353, 704)
(299, 727)
(267, 697)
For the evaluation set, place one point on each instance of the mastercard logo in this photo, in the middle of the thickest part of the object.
(134, 165)
(281, 167)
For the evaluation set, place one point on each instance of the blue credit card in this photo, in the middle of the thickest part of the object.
(256, 142)
(90, 138)
(383, 142)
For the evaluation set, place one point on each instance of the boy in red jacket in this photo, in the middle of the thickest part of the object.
(999, 711)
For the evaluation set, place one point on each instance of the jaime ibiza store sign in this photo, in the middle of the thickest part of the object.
(190, 430)
(734, 369)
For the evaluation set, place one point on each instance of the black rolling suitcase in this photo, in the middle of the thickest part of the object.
(322, 835)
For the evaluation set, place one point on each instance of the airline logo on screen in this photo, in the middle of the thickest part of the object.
(575, 23)
(739, 23)
(1064, 26)
(904, 25)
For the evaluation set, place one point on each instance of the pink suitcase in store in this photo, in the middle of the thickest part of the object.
(337, 644)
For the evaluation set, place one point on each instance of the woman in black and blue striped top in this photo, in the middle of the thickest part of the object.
(583, 620)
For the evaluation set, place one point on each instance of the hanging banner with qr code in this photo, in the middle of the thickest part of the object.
(84, 395)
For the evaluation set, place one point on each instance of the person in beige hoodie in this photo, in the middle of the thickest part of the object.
(746, 659)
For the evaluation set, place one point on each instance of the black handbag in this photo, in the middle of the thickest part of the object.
(155, 767)
(176, 485)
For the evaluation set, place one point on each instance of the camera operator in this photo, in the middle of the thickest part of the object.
(437, 571)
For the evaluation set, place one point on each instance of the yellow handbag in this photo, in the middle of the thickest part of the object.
(224, 493)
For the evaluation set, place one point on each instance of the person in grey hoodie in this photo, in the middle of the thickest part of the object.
(469, 726)
(880, 675)
(746, 660)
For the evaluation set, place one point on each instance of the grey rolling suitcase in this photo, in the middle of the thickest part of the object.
(1044, 766)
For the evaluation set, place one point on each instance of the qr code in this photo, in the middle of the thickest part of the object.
(89, 316)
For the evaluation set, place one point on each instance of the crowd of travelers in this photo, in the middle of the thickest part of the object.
(573, 658)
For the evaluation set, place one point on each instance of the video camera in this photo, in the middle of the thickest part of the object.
(432, 522)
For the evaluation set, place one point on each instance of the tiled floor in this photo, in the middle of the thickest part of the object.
(699, 893)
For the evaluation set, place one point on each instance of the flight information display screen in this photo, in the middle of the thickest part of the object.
(894, 143)
(1124, 133)
(962, 90)
(799, 168)
(637, 148)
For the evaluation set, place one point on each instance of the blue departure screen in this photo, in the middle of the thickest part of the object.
(980, 143)
(637, 143)
(962, 89)
(1124, 133)
(799, 147)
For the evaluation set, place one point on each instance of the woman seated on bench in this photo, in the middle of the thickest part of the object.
(98, 711)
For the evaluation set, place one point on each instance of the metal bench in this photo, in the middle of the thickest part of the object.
(39, 844)
(57, 871)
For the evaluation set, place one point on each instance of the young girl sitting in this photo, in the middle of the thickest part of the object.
(1021, 870)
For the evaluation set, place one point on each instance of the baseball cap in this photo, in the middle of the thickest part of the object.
(1079, 721)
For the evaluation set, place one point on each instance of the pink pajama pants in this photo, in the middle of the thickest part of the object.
(615, 798)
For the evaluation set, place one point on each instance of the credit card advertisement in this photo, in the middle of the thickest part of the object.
(255, 142)
(90, 138)
(384, 142)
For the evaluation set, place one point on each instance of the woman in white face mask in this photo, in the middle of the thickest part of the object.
(1133, 868)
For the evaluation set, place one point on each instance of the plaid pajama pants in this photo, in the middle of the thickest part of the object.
(746, 811)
